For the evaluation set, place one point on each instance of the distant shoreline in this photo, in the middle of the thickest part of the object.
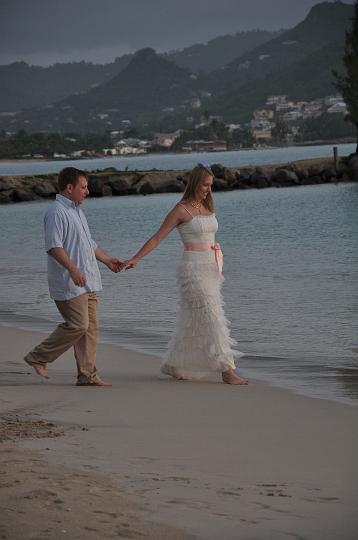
(346, 140)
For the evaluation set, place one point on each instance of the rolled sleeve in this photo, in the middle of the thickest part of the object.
(54, 231)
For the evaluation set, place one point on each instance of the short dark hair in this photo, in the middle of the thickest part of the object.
(69, 175)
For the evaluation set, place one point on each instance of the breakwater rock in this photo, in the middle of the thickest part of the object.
(118, 183)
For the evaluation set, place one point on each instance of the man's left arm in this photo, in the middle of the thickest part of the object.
(112, 263)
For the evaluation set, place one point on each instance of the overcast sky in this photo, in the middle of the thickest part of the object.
(43, 32)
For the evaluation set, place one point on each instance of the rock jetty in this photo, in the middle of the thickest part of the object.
(111, 182)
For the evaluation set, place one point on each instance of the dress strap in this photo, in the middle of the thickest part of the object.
(185, 208)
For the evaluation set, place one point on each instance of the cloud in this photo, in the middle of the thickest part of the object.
(99, 30)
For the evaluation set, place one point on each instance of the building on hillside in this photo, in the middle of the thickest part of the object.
(261, 123)
(78, 153)
(262, 135)
(333, 100)
(286, 106)
(110, 151)
(312, 109)
(233, 127)
(291, 116)
(131, 146)
(206, 146)
(56, 155)
(274, 100)
(166, 140)
(267, 114)
(338, 108)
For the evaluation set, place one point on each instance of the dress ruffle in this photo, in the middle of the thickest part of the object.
(201, 343)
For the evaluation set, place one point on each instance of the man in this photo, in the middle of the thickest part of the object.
(74, 279)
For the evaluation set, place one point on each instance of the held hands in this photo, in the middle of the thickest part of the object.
(115, 264)
(130, 263)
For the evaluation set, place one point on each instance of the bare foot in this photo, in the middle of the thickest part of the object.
(96, 382)
(40, 370)
(99, 382)
(230, 377)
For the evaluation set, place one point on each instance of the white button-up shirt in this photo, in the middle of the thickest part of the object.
(66, 227)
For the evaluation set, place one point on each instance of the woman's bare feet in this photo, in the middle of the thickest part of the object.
(230, 377)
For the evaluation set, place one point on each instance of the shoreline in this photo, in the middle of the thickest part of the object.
(333, 142)
(41, 326)
(206, 458)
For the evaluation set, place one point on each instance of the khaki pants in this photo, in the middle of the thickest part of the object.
(79, 330)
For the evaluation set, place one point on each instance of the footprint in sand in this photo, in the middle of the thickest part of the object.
(232, 492)
(273, 490)
(110, 514)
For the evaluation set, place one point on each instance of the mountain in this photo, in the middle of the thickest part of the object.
(307, 79)
(153, 92)
(326, 23)
(204, 58)
(23, 86)
(149, 84)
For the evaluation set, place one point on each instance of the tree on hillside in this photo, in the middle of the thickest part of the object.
(348, 83)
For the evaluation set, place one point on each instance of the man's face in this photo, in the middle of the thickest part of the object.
(79, 192)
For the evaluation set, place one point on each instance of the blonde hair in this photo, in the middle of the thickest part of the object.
(197, 175)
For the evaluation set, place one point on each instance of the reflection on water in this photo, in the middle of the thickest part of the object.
(291, 279)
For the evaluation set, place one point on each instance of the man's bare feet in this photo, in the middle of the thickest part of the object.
(40, 370)
(230, 377)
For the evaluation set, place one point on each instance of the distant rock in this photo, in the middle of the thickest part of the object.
(118, 183)
(6, 183)
(45, 190)
(284, 177)
(23, 195)
(122, 186)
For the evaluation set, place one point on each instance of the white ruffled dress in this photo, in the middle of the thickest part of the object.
(201, 343)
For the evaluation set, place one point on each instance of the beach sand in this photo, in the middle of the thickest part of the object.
(156, 458)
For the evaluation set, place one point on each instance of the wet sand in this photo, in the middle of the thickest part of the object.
(156, 458)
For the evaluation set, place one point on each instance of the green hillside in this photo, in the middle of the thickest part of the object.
(23, 86)
(307, 79)
(204, 58)
(325, 23)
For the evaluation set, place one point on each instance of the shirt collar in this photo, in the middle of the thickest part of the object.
(65, 201)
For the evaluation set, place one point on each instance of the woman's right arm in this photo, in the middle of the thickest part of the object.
(172, 220)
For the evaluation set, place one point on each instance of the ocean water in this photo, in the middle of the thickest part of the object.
(237, 158)
(291, 274)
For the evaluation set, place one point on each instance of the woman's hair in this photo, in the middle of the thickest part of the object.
(69, 175)
(197, 175)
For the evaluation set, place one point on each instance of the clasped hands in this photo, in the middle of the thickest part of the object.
(117, 266)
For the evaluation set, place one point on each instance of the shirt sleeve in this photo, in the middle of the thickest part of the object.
(55, 230)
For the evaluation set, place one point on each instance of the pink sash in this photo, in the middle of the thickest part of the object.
(206, 246)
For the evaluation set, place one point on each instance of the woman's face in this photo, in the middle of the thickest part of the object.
(204, 188)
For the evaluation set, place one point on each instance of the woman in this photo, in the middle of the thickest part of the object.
(201, 343)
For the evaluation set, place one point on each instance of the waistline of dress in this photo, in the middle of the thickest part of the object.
(206, 247)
